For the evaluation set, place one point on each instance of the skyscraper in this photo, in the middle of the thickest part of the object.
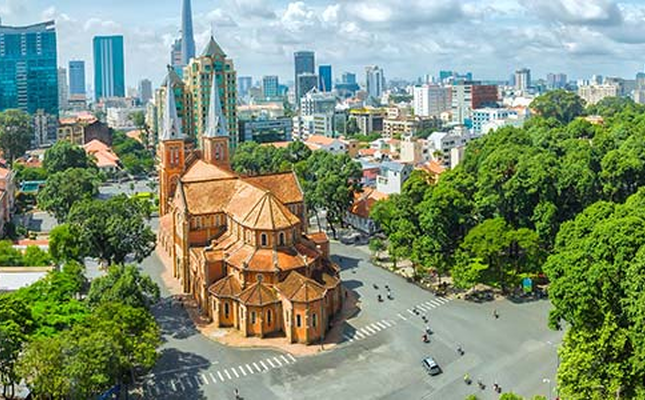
(523, 79)
(198, 79)
(28, 68)
(187, 37)
(145, 91)
(348, 78)
(374, 81)
(109, 70)
(304, 63)
(306, 82)
(63, 89)
(77, 77)
(176, 57)
(244, 83)
(270, 86)
(324, 78)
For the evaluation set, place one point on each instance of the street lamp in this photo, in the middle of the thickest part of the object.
(547, 380)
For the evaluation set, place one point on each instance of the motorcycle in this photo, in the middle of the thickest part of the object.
(425, 339)
(467, 380)
(380, 298)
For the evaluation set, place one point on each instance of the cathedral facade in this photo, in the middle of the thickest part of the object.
(239, 245)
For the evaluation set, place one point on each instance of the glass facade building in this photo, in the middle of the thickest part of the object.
(304, 63)
(28, 68)
(76, 77)
(324, 78)
(109, 69)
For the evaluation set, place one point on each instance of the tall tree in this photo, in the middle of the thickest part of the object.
(114, 229)
(124, 284)
(64, 155)
(63, 189)
(16, 134)
(561, 105)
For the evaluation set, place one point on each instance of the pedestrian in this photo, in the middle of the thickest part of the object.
(495, 314)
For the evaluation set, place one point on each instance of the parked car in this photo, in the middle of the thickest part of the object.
(431, 366)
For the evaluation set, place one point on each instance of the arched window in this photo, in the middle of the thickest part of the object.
(298, 320)
(269, 317)
(313, 319)
(281, 239)
(263, 239)
(253, 317)
(226, 310)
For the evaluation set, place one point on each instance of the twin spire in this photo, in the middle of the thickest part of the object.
(171, 129)
(216, 122)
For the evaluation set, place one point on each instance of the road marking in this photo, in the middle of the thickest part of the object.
(278, 361)
(235, 372)
(188, 380)
(359, 335)
(292, 357)
(264, 366)
(348, 338)
(174, 388)
(382, 325)
(424, 308)
(270, 363)
(227, 374)
(212, 377)
(182, 384)
(249, 368)
(401, 316)
(434, 303)
(285, 359)
(205, 380)
(221, 378)
(365, 332)
(442, 300)
(411, 312)
(256, 367)
(242, 370)
(375, 327)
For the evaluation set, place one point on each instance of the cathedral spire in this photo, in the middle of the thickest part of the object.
(187, 37)
(216, 122)
(171, 129)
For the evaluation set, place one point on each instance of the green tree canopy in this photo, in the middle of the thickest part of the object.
(16, 133)
(65, 188)
(123, 284)
(562, 105)
(114, 229)
(64, 155)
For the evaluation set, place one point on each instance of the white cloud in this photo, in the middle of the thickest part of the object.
(581, 12)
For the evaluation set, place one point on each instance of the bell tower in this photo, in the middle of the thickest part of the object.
(215, 139)
(172, 151)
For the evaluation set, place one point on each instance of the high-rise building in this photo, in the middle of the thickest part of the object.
(523, 79)
(198, 79)
(324, 78)
(316, 102)
(28, 68)
(270, 86)
(304, 63)
(348, 78)
(176, 58)
(305, 83)
(244, 84)
(63, 89)
(187, 37)
(109, 69)
(468, 96)
(556, 81)
(431, 100)
(77, 77)
(145, 91)
(374, 81)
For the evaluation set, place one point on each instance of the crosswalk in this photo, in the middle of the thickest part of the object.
(376, 327)
(156, 385)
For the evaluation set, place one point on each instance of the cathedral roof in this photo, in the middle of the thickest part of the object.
(284, 259)
(258, 295)
(284, 186)
(203, 171)
(213, 49)
(228, 287)
(268, 214)
(216, 122)
(173, 77)
(171, 125)
(300, 289)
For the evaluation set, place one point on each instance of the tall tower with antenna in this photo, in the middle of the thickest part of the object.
(187, 37)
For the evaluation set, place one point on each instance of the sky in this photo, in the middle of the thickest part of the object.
(408, 38)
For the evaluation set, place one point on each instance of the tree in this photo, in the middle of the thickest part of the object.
(36, 257)
(65, 188)
(123, 284)
(43, 366)
(114, 229)
(15, 324)
(67, 244)
(16, 133)
(64, 155)
(561, 104)
(251, 158)
(376, 245)
(352, 126)
(9, 256)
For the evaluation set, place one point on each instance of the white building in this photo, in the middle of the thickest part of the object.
(592, 94)
(440, 144)
(431, 100)
(317, 102)
(374, 81)
(484, 115)
(63, 89)
(331, 145)
(523, 79)
(392, 176)
(119, 118)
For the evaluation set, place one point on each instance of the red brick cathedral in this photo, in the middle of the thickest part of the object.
(239, 244)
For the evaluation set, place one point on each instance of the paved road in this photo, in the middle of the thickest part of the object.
(380, 354)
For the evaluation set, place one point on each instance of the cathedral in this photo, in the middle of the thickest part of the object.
(239, 244)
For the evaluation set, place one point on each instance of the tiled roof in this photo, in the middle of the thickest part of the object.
(95, 145)
(258, 295)
(269, 260)
(284, 186)
(280, 145)
(433, 168)
(320, 140)
(318, 237)
(268, 214)
(4, 172)
(326, 277)
(228, 287)
(299, 289)
(210, 196)
(363, 202)
(203, 171)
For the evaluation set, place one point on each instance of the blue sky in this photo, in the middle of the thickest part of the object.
(407, 38)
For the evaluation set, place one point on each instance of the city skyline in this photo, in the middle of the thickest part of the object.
(571, 36)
